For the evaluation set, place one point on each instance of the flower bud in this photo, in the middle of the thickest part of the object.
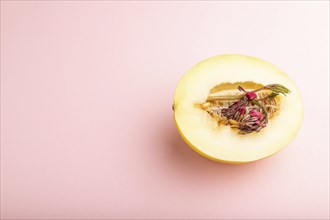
(242, 109)
(256, 113)
(251, 95)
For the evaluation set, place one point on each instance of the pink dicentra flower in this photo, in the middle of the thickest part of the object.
(251, 95)
(242, 109)
(256, 113)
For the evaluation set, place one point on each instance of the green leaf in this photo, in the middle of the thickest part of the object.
(277, 88)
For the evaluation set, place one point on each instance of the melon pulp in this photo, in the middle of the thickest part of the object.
(220, 142)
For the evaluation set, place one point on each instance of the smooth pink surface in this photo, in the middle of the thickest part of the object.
(87, 128)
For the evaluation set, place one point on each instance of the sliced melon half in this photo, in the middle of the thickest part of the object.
(199, 103)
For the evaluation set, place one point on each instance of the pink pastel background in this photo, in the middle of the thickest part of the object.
(87, 128)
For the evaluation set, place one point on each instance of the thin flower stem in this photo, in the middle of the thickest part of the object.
(224, 98)
(276, 88)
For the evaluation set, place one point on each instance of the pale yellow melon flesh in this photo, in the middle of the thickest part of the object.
(222, 143)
